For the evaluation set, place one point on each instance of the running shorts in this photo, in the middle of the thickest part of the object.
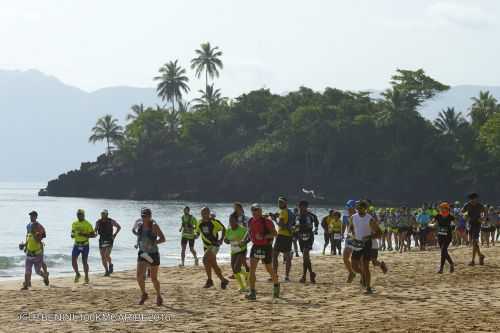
(263, 253)
(283, 244)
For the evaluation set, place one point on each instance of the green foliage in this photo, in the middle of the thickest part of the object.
(172, 82)
(107, 129)
(207, 60)
(342, 144)
(490, 135)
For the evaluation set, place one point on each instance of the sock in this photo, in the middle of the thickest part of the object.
(241, 280)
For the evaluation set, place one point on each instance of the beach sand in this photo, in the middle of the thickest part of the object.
(410, 298)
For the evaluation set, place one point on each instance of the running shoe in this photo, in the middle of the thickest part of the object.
(208, 284)
(143, 299)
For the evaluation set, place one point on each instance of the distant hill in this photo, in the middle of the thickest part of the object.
(45, 124)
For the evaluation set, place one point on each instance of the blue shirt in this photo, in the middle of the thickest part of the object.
(423, 218)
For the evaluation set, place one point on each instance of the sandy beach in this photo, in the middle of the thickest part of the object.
(410, 298)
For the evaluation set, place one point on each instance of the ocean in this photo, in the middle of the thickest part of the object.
(57, 215)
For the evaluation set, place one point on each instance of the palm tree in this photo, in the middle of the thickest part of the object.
(209, 97)
(173, 82)
(184, 107)
(449, 121)
(208, 61)
(482, 108)
(107, 128)
(136, 109)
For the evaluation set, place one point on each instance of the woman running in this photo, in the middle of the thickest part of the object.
(210, 228)
(444, 223)
(149, 236)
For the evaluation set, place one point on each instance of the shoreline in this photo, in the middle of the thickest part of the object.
(409, 297)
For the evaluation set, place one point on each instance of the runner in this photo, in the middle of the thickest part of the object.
(492, 218)
(262, 233)
(444, 223)
(33, 247)
(81, 231)
(284, 239)
(404, 226)
(239, 214)
(306, 227)
(365, 228)
(149, 236)
(209, 228)
(382, 217)
(188, 227)
(346, 223)
(475, 211)
(295, 237)
(334, 225)
(104, 228)
(423, 219)
(461, 231)
(391, 228)
(326, 233)
(237, 236)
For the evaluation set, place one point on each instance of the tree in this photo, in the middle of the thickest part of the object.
(107, 129)
(482, 108)
(490, 135)
(209, 98)
(172, 83)
(449, 122)
(208, 61)
(136, 109)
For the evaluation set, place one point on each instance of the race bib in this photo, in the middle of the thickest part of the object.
(235, 247)
(305, 237)
(106, 244)
(81, 248)
(260, 253)
(337, 236)
(205, 229)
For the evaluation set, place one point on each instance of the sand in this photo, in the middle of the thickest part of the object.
(410, 298)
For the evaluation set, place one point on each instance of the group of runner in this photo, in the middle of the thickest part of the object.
(357, 233)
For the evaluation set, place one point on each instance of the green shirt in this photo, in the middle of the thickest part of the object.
(189, 224)
(235, 237)
(81, 227)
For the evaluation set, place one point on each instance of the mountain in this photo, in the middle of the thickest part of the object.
(45, 123)
(458, 97)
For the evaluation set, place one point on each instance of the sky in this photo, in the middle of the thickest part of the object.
(278, 44)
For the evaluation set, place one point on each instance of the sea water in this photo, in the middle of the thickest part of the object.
(57, 214)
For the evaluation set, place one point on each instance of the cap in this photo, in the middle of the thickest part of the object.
(80, 212)
(283, 199)
(145, 211)
(33, 213)
(256, 206)
(350, 203)
(105, 211)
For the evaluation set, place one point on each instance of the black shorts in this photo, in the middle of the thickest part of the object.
(184, 241)
(283, 244)
(104, 243)
(306, 241)
(475, 229)
(365, 252)
(262, 252)
(154, 256)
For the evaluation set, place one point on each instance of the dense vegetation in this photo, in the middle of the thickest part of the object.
(342, 144)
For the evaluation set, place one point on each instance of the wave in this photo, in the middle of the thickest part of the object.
(51, 260)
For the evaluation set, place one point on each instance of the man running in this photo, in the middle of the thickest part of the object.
(149, 236)
(365, 228)
(334, 225)
(237, 237)
(107, 229)
(33, 247)
(346, 222)
(188, 227)
(284, 240)
(307, 227)
(423, 220)
(81, 231)
(262, 233)
(475, 211)
(326, 233)
(239, 214)
(212, 234)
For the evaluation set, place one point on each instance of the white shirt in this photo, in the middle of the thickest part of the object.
(361, 226)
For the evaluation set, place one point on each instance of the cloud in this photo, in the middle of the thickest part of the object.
(468, 15)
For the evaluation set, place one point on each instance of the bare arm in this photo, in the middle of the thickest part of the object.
(160, 237)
